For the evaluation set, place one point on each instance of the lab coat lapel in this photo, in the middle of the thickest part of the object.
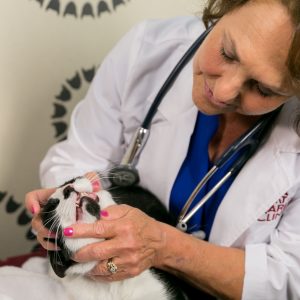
(166, 161)
(169, 141)
(248, 198)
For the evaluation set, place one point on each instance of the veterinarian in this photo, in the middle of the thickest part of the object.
(244, 242)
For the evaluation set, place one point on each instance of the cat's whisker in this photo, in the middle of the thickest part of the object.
(47, 221)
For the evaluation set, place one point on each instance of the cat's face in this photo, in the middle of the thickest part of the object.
(75, 202)
(68, 206)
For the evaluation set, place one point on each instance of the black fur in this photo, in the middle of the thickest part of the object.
(60, 260)
(144, 200)
(67, 191)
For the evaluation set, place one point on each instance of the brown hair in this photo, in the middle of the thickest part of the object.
(215, 9)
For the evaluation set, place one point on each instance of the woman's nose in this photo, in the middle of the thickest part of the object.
(227, 88)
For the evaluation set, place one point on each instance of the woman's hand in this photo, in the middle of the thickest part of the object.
(34, 201)
(133, 241)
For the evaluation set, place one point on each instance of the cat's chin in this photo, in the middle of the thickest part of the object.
(73, 245)
(81, 268)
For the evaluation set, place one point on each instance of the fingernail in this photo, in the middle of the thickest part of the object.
(32, 210)
(104, 213)
(68, 231)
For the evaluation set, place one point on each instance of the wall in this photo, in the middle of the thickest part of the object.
(49, 52)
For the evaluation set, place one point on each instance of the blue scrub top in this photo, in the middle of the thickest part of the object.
(193, 169)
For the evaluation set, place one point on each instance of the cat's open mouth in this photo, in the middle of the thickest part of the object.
(91, 203)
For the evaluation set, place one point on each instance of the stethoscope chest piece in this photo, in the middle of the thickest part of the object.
(124, 175)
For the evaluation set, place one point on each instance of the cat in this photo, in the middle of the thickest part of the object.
(81, 200)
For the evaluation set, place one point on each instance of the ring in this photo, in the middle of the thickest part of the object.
(111, 267)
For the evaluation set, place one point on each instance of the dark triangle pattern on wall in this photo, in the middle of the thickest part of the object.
(22, 217)
(68, 89)
(90, 9)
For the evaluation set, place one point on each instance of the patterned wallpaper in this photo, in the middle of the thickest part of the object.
(93, 9)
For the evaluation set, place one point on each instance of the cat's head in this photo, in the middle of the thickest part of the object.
(79, 200)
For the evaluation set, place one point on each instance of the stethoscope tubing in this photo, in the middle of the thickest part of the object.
(172, 77)
(250, 140)
(182, 222)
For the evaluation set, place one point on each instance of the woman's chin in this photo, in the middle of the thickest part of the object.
(209, 108)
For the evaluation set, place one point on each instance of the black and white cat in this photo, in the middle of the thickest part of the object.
(81, 200)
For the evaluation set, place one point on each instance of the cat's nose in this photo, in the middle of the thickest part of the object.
(67, 191)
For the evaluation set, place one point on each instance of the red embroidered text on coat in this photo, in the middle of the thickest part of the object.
(276, 209)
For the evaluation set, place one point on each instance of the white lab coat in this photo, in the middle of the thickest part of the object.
(114, 107)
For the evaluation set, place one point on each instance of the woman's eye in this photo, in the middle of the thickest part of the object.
(264, 92)
(226, 55)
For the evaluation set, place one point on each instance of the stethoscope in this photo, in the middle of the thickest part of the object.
(126, 174)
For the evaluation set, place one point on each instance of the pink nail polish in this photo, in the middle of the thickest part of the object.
(104, 213)
(68, 231)
(32, 210)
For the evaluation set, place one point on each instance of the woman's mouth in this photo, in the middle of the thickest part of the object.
(208, 93)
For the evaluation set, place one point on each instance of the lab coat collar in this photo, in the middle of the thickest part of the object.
(182, 92)
(248, 198)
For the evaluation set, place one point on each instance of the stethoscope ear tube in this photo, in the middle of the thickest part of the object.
(182, 223)
(253, 138)
(172, 77)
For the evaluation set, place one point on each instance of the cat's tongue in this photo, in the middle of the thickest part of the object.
(78, 208)
(78, 213)
(79, 202)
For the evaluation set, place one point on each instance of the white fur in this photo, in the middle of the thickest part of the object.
(142, 287)
(83, 184)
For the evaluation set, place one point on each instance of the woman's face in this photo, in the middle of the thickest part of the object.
(240, 67)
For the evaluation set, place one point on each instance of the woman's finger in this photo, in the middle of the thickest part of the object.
(121, 270)
(102, 268)
(34, 199)
(47, 244)
(45, 237)
(38, 226)
(99, 229)
(115, 212)
(99, 251)
(106, 228)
